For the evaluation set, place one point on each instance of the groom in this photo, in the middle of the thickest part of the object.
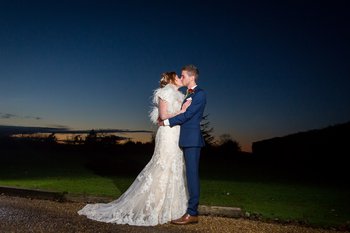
(191, 139)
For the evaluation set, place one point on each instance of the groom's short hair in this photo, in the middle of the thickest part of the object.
(192, 70)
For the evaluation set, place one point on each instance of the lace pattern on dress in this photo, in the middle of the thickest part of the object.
(159, 193)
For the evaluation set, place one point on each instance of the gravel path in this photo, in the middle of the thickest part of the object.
(30, 215)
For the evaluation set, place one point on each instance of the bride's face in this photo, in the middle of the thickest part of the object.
(178, 82)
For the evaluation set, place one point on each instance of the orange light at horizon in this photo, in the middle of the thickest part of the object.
(64, 137)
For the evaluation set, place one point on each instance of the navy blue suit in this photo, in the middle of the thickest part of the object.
(191, 141)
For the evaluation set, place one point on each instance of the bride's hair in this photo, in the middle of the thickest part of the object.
(166, 78)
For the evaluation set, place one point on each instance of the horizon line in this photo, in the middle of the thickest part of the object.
(11, 129)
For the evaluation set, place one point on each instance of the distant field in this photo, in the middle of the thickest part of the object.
(321, 205)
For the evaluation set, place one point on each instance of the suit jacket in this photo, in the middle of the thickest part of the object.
(190, 133)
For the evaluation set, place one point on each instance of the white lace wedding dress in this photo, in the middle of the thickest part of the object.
(158, 194)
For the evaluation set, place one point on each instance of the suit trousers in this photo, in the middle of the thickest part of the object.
(192, 155)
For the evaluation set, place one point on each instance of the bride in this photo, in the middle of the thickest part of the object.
(159, 193)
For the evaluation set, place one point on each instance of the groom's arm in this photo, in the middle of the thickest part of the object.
(195, 106)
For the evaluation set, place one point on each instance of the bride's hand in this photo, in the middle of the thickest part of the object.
(186, 105)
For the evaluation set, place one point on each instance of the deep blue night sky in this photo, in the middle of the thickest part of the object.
(269, 69)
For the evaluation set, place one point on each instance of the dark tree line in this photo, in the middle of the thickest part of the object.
(223, 145)
(101, 138)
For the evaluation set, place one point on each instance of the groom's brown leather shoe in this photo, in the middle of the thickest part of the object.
(185, 219)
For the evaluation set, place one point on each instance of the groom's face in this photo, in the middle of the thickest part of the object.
(185, 78)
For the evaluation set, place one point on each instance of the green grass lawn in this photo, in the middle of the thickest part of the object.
(321, 206)
(55, 174)
(313, 204)
(88, 184)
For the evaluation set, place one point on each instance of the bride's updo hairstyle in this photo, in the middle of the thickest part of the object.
(166, 78)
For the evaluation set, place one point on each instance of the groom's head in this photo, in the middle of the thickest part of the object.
(189, 75)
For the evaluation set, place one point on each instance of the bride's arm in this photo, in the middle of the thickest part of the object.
(163, 114)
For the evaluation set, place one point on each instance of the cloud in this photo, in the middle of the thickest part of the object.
(59, 126)
(10, 130)
(106, 131)
(7, 115)
(31, 117)
(10, 115)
